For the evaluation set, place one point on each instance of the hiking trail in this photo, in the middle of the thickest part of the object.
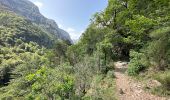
(129, 89)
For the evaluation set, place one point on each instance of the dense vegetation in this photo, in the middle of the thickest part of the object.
(34, 66)
(133, 30)
(28, 62)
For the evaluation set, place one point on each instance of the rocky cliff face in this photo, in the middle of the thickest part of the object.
(28, 10)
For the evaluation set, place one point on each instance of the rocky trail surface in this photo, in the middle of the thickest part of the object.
(127, 88)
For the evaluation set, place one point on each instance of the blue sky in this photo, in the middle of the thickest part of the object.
(71, 15)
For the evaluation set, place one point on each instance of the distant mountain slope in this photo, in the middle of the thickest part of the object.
(28, 10)
(14, 28)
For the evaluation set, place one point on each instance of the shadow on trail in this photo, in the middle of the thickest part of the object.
(121, 70)
(121, 67)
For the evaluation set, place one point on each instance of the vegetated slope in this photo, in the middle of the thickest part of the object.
(28, 10)
(31, 55)
(30, 61)
(14, 27)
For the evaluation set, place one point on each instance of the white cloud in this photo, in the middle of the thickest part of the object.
(39, 4)
(60, 26)
(70, 30)
(75, 35)
(82, 31)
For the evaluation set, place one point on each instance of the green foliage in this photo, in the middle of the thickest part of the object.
(14, 30)
(87, 41)
(158, 49)
(110, 74)
(84, 72)
(28, 68)
(139, 24)
(138, 63)
(56, 88)
(164, 78)
(135, 30)
(102, 88)
(30, 80)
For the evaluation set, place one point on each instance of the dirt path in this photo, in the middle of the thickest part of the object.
(128, 89)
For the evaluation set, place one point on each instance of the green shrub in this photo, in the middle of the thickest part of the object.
(22, 46)
(110, 74)
(111, 66)
(18, 50)
(10, 40)
(18, 42)
(164, 79)
(137, 63)
(101, 88)
(158, 48)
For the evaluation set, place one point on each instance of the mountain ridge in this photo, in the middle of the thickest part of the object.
(30, 11)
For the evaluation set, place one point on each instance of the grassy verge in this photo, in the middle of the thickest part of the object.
(164, 88)
(156, 83)
(102, 88)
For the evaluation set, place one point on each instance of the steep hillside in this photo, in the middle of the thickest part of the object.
(28, 10)
(14, 27)
(31, 45)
